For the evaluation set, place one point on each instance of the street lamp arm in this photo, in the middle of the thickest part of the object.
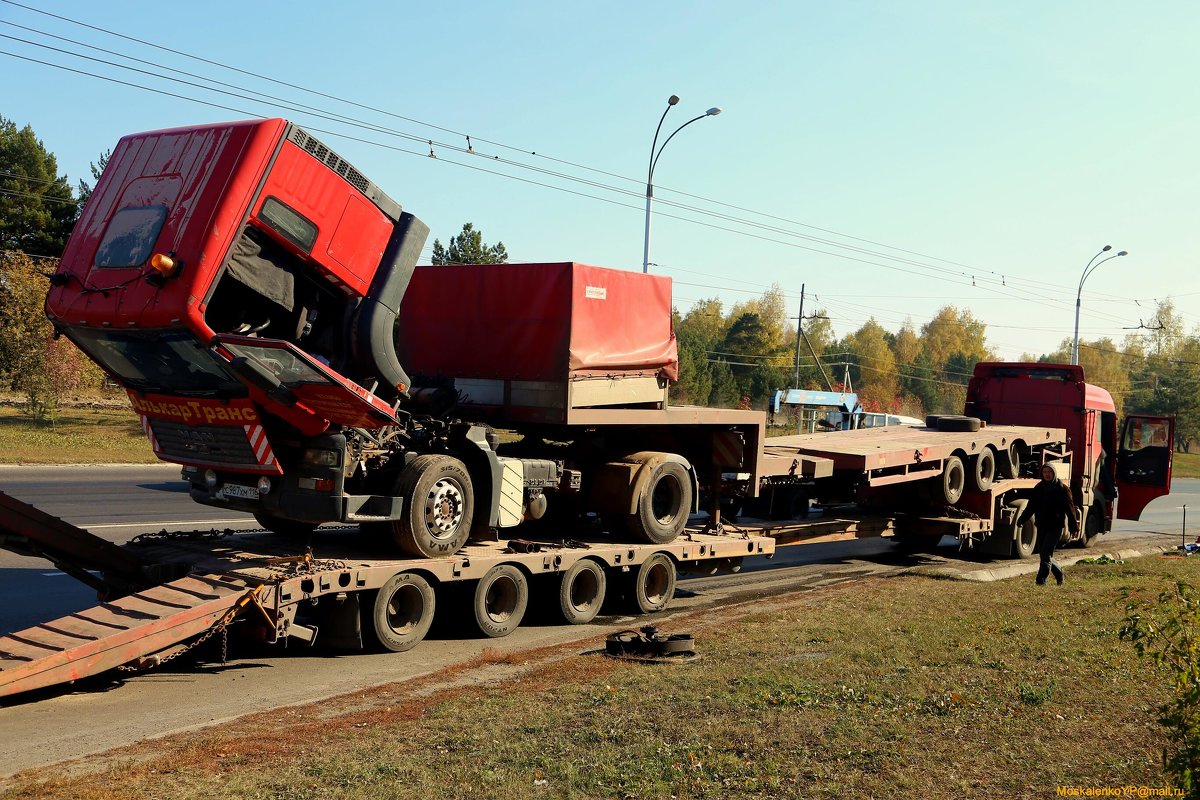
(1088, 273)
(654, 162)
(654, 145)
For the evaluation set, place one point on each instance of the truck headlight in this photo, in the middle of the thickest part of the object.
(317, 457)
(210, 479)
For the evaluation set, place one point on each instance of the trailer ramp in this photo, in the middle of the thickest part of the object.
(129, 631)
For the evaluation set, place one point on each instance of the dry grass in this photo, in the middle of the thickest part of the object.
(1185, 465)
(894, 687)
(80, 435)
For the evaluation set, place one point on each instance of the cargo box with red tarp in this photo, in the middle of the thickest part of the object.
(530, 342)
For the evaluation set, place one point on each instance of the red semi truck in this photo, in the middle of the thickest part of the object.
(258, 298)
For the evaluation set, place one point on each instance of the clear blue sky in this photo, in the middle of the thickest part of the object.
(1001, 143)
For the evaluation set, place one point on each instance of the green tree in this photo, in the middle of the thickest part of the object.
(97, 168)
(954, 342)
(37, 207)
(468, 247)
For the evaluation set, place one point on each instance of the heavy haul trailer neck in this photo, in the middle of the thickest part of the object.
(170, 591)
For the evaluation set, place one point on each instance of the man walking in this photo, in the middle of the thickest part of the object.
(1051, 506)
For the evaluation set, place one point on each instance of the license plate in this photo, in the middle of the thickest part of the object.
(238, 491)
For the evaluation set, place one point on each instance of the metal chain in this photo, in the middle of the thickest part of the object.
(166, 536)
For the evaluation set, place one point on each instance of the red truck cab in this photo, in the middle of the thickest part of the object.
(1134, 460)
(196, 239)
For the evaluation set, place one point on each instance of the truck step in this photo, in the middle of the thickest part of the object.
(113, 634)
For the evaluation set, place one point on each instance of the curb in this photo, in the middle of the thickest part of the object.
(989, 574)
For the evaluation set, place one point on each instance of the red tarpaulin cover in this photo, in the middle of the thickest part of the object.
(536, 322)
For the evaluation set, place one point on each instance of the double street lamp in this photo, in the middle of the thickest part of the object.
(1088, 270)
(655, 152)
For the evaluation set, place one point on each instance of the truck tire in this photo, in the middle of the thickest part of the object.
(1025, 536)
(285, 527)
(947, 488)
(581, 592)
(958, 424)
(663, 505)
(653, 584)
(501, 597)
(931, 420)
(1091, 526)
(402, 612)
(1008, 460)
(439, 504)
(983, 469)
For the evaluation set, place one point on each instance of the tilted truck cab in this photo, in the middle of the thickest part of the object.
(1134, 459)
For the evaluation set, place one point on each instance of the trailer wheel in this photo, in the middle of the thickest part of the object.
(581, 592)
(950, 484)
(402, 612)
(958, 423)
(1025, 536)
(653, 584)
(438, 506)
(1008, 461)
(983, 469)
(501, 597)
(285, 527)
(664, 504)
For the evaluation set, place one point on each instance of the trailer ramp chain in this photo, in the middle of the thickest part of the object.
(649, 645)
(165, 535)
(251, 597)
(960, 513)
(304, 564)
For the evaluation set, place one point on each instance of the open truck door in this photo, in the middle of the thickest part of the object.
(286, 374)
(1143, 462)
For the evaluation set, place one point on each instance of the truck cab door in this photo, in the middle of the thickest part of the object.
(286, 374)
(1143, 462)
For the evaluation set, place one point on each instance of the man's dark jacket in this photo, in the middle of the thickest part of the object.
(1051, 506)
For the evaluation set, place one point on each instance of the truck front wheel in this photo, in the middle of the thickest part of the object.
(438, 506)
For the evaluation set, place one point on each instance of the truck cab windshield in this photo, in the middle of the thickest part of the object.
(172, 362)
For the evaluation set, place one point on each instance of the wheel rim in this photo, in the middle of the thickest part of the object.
(405, 608)
(987, 468)
(500, 601)
(666, 499)
(658, 579)
(955, 479)
(584, 590)
(444, 509)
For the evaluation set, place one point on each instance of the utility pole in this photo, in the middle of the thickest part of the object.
(800, 334)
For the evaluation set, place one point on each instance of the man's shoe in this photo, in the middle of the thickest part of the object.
(1059, 579)
(1040, 581)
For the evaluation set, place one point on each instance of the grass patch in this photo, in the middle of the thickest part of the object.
(1185, 465)
(80, 435)
(892, 687)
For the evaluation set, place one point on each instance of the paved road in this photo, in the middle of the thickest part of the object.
(119, 502)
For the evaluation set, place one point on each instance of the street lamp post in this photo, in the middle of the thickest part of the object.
(655, 152)
(1088, 270)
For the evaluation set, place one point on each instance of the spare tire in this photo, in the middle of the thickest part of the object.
(957, 424)
(931, 420)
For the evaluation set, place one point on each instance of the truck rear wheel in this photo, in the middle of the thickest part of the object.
(653, 584)
(1008, 461)
(438, 506)
(983, 469)
(948, 487)
(501, 597)
(663, 504)
(581, 592)
(402, 612)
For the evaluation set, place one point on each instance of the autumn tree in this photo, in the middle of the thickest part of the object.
(876, 378)
(32, 361)
(37, 207)
(952, 343)
(468, 247)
